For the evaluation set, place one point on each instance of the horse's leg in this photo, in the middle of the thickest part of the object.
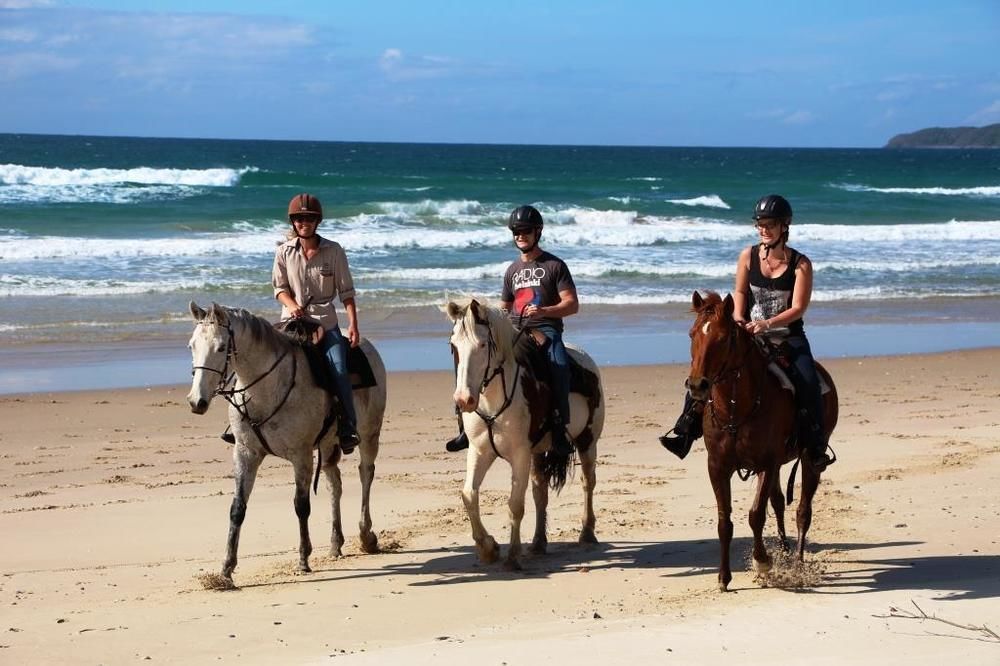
(336, 485)
(723, 502)
(803, 517)
(476, 466)
(245, 466)
(778, 504)
(303, 475)
(758, 516)
(520, 466)
(540, 493)
(588, 465)
(366, 468)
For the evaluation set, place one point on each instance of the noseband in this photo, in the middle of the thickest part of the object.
(225, 377)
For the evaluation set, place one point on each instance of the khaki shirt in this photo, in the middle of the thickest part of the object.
(314, 284)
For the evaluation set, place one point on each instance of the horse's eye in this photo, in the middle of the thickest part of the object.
(220, 348)
(482, 345)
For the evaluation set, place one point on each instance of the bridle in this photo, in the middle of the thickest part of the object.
(732, 425)
(237, 397)
(489, 376)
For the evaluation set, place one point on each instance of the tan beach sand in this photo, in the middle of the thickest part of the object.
(113, 503)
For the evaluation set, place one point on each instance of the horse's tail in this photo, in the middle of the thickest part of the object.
(556, 466)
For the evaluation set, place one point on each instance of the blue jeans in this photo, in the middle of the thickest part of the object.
(335, 345)
(559, 362)
(807, 390)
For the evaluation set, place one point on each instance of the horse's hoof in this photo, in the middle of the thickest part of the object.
(336, 553)
(489, 552)
(304, 568)
(723, 587)
(512, 565)
(368, 542)
(762, 566)
(539, 547)
(588, 537)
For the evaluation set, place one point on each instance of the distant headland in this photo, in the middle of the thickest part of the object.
(949, 137)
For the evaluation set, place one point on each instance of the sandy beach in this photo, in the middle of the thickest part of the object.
(113, 503)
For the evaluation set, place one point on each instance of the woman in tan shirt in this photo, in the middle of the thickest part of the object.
(309, 273)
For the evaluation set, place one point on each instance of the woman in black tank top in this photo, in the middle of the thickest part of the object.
(773, 290)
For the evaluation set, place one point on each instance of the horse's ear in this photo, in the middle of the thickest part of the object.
(453, 310)
(478, 311)
(219, 315)
(727, 306)
(197, 313)
(696, 300)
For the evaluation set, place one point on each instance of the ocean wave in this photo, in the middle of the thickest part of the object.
(18, 174)
(709, 201)
(29, 184)
(366, 234)
(984, 191)
(11, 286)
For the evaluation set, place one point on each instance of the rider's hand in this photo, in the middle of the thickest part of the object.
(532, 311)
(757, 327)
(297, 312)
(354, 335)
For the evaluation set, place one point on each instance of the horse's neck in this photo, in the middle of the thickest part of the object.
(747, 364)
(254, 362)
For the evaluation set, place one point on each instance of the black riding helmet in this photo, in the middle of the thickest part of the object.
(772, 206)
(525, 217)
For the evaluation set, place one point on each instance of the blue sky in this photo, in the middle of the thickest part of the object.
(680, 73)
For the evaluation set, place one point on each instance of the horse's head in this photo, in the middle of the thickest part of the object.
(211, 345)
(478, 338)
(714, 336)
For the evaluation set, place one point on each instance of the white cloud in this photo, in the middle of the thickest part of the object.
(18, 35)
(798, 118)
(399, 67)
(987, 116)
(24, 4)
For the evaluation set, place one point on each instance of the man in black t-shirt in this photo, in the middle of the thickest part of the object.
(539, 292)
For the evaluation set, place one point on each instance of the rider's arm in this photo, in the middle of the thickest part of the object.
(742, 288)
(353, 333)
(282, 285)
(567, 305)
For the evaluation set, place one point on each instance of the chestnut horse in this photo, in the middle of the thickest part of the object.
(749, 423)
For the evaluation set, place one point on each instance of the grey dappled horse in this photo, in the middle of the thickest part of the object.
(277, 408)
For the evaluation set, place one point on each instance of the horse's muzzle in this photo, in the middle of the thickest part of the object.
(199, 407)
(466, 401)
(698, 387)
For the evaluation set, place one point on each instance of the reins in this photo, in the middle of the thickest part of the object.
(733, 425)
(241, 405)
(488, 377)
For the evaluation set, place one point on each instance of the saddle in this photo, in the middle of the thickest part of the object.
(529, 353)
(301, 332)
(780, 365)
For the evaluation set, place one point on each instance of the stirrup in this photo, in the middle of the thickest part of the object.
(457, 443)
(679, 445)
(348, 441)
(819, 461)
(228, 436)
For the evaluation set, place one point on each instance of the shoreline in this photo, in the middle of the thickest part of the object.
(47, 367)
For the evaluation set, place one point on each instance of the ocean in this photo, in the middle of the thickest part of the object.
(104, 240)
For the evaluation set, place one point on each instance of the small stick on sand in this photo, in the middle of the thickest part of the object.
(988, 635)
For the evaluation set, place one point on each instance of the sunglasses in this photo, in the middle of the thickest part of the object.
(760, 224)
(523, 231)
(304, 219)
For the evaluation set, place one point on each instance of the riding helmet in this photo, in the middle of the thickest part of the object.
(772, 206)
(304, 204)
(525, 217)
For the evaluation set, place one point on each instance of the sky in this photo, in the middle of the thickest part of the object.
(623, 72)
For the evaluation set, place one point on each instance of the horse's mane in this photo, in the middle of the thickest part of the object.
(498, 321)
(260, 329)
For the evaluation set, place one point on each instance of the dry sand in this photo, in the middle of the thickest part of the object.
(113, 503)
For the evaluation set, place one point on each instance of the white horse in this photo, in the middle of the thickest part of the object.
(491, 391)
(277, 408)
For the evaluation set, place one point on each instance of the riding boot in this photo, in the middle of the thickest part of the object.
(687, 429)
(814, 444)
(347, 431)
(461, 440)
(228, 436)
(561, 443)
